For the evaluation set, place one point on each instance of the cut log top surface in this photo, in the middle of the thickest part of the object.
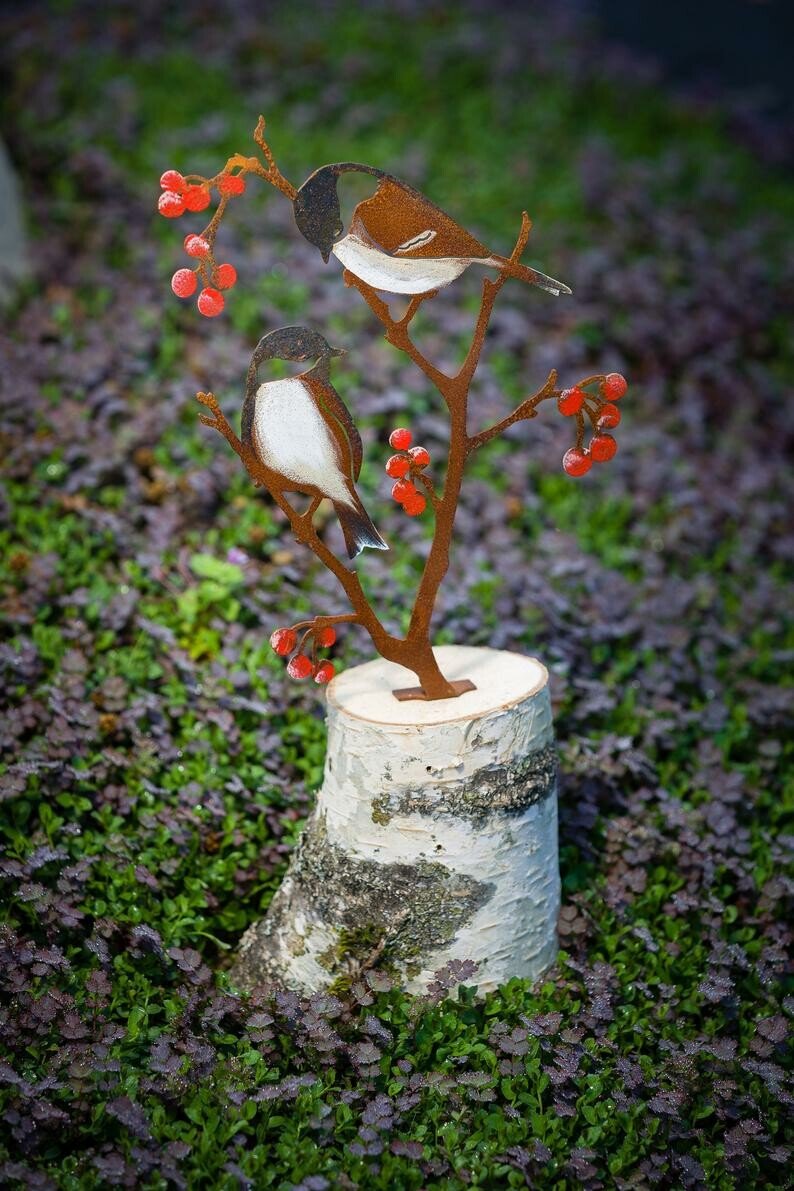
(502, 680)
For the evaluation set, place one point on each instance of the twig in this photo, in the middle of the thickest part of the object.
(397, 331)
(522, 412)
(490, 289)
(273, 173)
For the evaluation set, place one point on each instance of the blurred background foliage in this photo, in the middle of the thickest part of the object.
(156, 763)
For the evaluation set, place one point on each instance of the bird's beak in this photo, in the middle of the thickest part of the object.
(338, 351)
(326, 256)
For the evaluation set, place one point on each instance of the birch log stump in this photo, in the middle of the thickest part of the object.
(434, 837)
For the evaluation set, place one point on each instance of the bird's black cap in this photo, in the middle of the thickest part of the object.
(317, 211)
(291, 343)
(316, 205)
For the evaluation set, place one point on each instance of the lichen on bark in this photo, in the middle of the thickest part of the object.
(495, 789)
(398, 912)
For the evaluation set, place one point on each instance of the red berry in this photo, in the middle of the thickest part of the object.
(231, 184)
(324, 672)
(570, 401)
(172, 180)
(226, 276)
(196, 245)
(283, 641)
(403, 490)
(576, 462)
(419, 456)
(197, 198)
(171, 204)
(325, 637)
(614, 386)
(603, 447)
(397, 466)
(608, 417)
(415, 505)
(300, 666)
(210, 302)
(400, 439)
(184, 283)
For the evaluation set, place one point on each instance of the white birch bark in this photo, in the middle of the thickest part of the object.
(434, 837)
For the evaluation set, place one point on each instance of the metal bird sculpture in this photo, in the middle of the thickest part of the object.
(301, 430)
(398, 241)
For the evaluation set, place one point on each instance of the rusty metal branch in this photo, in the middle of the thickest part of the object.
(521, 413)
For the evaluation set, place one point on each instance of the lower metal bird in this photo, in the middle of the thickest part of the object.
(301, 430)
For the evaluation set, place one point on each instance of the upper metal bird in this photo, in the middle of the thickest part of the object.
(301, 430)
(398, 241)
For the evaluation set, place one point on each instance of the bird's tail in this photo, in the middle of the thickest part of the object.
(358, 528)
(531, 276)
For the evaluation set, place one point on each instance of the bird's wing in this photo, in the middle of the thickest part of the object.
(340, 422)
(401, 222)
(247, 420)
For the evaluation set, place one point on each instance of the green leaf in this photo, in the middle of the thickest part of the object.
(206, 566)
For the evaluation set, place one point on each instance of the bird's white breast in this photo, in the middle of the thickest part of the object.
(397, 275)
(293, 438)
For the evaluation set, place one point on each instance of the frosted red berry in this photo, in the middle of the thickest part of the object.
(608, 416)
(397, 466)
(419, 456)
(184, 283)
(325, 637)
(576, 462)
(226, 276)
(570, 401)
(300, 666)
(614, 386)
(197, 198)
(196, 245)
(400, 439)
(603, 447)
(324, 672)
(403, 490)
(210, 302)
(171, 204)
(415, 505)
(231, 184)
(283, 641)
(172, 180)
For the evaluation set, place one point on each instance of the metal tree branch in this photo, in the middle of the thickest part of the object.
(455, 392)
(398, 211)
(522, 413)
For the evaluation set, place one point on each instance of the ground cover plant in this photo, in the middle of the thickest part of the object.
(157, 761)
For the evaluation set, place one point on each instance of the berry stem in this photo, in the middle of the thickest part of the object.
(429, 488)
(325, 622)
(579, 431)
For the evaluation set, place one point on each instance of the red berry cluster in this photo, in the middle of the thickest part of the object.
(404, 467)
(179, 194)
(603, 414)
(301, 664)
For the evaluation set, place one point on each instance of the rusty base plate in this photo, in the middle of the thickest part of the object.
(406, 693)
